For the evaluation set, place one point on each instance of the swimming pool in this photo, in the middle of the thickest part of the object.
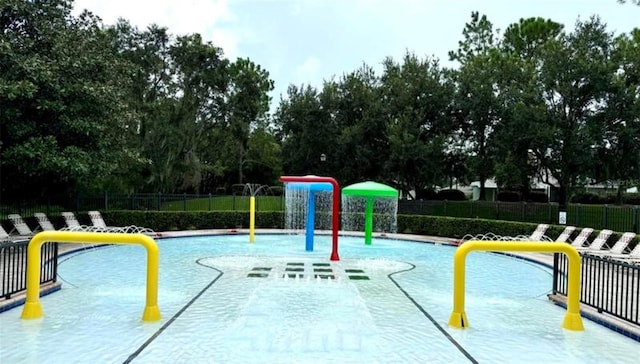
(224, 300)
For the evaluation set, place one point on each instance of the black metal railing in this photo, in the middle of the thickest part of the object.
(608, 285)
(13, 266)
(617, 218)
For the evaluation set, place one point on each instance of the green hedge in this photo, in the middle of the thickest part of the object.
(187, 220)
(409, 224)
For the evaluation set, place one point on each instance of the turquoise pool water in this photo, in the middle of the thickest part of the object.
(224, 300)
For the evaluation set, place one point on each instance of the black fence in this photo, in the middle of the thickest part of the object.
(614, 217)
(13, 266)
(610, 286)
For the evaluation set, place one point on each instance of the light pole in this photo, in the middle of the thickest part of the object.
(323, 159)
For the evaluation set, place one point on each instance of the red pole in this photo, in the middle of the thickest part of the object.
(336, 205)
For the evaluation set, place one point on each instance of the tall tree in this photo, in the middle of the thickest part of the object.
(517, 133)
(299, 119)
(362, 126)
(417, 102)
(61, 108)
(247, 103)
(618, 148)
(575, 77)
(476, 105)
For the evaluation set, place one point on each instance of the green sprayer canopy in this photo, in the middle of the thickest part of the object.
(370, 189)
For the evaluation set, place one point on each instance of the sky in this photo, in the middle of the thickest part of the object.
(308, 41)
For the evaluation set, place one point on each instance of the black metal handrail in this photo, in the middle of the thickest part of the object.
(13, 266)
(608, 285)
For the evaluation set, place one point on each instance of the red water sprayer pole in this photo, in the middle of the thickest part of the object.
(336, 205)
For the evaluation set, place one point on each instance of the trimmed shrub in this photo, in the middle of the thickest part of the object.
(426, 194)
(632, 198)
(587, 198)
(536, 196)
(191, 220)
(451, 195)
(509, 196)
(410, 224)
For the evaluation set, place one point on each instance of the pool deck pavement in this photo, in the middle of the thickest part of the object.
(542, 258)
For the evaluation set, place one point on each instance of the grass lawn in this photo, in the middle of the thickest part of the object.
(225, 203)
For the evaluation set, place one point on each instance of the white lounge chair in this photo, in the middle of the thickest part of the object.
(19, 225)
(96, 219)
(43, 221)
(598, 242)
(581, 239)
(70, 220)
(619, 247)
(633, 256)
(565, 235)
(5, 237)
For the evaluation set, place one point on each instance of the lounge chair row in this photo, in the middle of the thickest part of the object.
(22, 231)
(598, 246)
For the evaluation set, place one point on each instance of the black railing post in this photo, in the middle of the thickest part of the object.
(554, 287)
(184, 202)
(635, 220)
(55, 262)
(604, 216)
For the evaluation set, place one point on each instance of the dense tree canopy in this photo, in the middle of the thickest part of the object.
(86, 107)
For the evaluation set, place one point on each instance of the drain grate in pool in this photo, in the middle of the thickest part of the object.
(359, 278)
(293, 275)
(325, 276)
(258, 275)
(320, 271)
(259, 272)
(288, 269)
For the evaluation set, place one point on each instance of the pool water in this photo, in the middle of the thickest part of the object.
(224, 300)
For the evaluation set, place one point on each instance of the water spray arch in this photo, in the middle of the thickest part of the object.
(335, 225)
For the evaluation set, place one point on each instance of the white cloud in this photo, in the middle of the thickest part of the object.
(207, 17)
(309, 71)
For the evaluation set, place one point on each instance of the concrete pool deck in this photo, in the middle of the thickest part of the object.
(626, 328)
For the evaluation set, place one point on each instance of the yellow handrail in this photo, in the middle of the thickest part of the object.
(32, 307)
(252, 219)
(572, 320)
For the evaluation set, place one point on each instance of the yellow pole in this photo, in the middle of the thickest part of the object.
(252, 219)
(572, 320)
(32, 307)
